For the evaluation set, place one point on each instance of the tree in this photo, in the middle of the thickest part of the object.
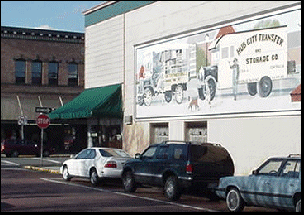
(268, 23)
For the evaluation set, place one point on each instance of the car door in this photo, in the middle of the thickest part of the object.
(286, 184)
(75, 163)
(265, 181)
(159, 164)
(86, 163)
(143, 169)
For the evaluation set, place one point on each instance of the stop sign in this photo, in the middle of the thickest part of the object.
(43, 121)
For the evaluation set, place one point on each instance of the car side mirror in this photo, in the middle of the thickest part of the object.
(72, 156)
(255, 172)
(137, 156)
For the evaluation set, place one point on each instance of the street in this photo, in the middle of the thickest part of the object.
(24, 190)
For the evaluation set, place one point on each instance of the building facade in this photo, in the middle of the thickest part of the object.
(40, 68)
(220, 72)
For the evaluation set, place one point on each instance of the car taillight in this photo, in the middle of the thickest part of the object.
(189, 168)
(110, 164)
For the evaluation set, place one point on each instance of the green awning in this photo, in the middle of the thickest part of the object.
(93, 102)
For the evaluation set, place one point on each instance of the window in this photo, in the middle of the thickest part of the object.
(179, 151)
(159, 132)
(53, 73)
(162, 152)
(196, 131)
(149, 153)
(36, 73)
(231, 51)
(271, 168)
(291, 169)
(72, 74)
(225, 52)
(86, 154)
(20, 67)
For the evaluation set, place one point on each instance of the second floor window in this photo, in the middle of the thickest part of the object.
(20, 71)
(72, 74)
(36, 73)
(53, 73)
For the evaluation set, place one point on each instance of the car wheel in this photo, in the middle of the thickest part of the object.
(129, 182)
(65, 174)
(46, 153)
(298, 206)
(265, 86)
(15, 154)
(94, 177)
(179, 94)
(148, 96)
(234, 201)
(171, 189)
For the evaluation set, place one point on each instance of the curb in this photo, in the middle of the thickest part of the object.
(42, 169)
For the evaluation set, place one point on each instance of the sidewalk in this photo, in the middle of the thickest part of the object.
(50, 169)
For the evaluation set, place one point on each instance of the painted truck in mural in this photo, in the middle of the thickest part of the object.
(255, 58)
(166, 72)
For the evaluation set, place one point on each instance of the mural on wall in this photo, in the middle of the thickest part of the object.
(253, 66)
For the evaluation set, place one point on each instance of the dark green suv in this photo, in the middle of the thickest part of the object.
(178, 165)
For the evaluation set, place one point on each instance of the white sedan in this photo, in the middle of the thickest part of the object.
(95, 163)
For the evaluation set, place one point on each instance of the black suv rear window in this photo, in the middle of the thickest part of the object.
(208, 153)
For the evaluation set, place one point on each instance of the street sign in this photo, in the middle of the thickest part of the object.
(43, 121)
(45, 110)
(22, 120)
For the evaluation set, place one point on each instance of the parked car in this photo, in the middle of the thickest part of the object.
(177, 166)
(14, 148)
(95, 163)
(276, 183)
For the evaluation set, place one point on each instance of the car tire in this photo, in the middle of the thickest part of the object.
(129, 182)
(234, 201)
(14, 154)
(94, 177)
(65, 174)
(298, 206)
(171, 189)
(265, 86)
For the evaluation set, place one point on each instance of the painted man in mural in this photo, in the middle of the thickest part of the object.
(235, 76)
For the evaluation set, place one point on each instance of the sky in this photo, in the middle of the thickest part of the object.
(54, 15)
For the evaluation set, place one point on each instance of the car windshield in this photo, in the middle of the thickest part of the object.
(113, 153)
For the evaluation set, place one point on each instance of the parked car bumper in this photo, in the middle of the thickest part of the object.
(193, 183)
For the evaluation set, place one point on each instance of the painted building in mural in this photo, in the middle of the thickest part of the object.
(226, 73)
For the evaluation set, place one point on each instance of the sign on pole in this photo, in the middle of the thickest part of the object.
(43, 121)
(45, 110)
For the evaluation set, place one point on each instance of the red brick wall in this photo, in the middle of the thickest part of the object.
(45, 51)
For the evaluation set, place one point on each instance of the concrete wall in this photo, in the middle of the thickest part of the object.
(104, 51)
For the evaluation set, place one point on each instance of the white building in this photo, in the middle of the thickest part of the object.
(167, 96)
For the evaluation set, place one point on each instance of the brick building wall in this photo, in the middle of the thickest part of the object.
(45, 46)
